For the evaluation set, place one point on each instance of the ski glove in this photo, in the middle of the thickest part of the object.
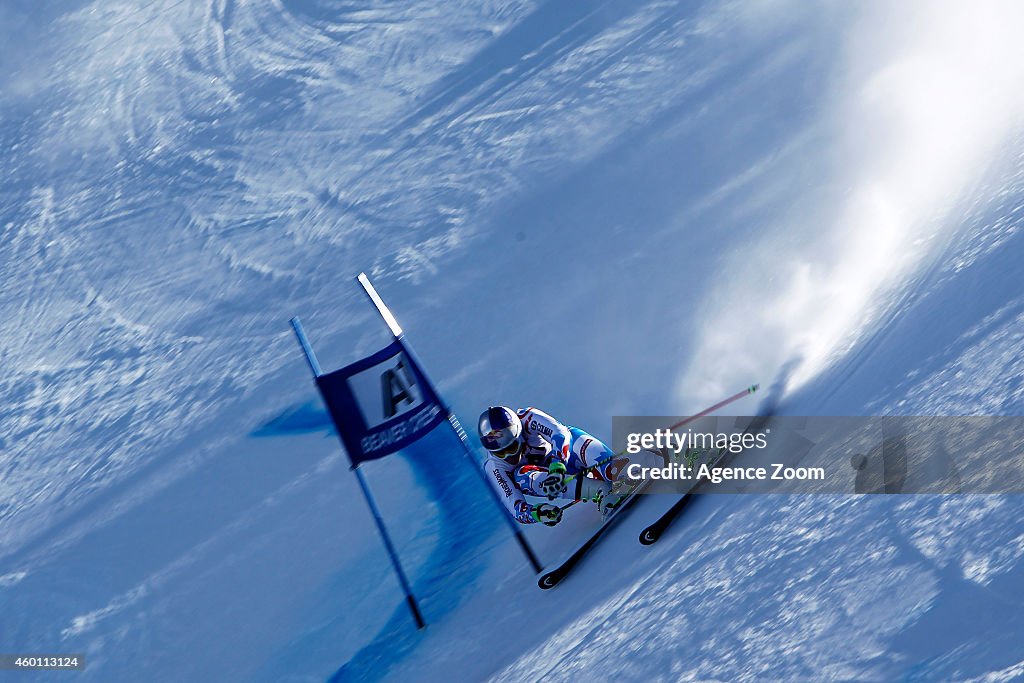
(554, 483)
(546, 513)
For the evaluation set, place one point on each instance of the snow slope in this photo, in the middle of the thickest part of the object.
(819, 587)
(601, 208)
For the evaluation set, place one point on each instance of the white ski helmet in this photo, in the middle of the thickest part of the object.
(500, 431)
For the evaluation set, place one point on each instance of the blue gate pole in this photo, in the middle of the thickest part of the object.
(392, 553)
(453, 421)
(516, 531)
(314, 365)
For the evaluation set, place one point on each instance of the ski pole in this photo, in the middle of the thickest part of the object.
(721, 404)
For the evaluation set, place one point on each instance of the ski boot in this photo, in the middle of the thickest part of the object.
(593, 491)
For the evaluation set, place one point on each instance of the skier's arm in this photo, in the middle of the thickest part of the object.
(500, 478)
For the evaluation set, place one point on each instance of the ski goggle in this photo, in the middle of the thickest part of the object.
(501, 442)
(509, 450)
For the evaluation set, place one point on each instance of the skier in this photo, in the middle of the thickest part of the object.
(532, 453)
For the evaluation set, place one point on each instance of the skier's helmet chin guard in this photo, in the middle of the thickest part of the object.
(500, 432)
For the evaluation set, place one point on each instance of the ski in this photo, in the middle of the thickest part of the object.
(653, 532)
(550, 579)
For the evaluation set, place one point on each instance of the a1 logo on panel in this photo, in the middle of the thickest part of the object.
(386, 390)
